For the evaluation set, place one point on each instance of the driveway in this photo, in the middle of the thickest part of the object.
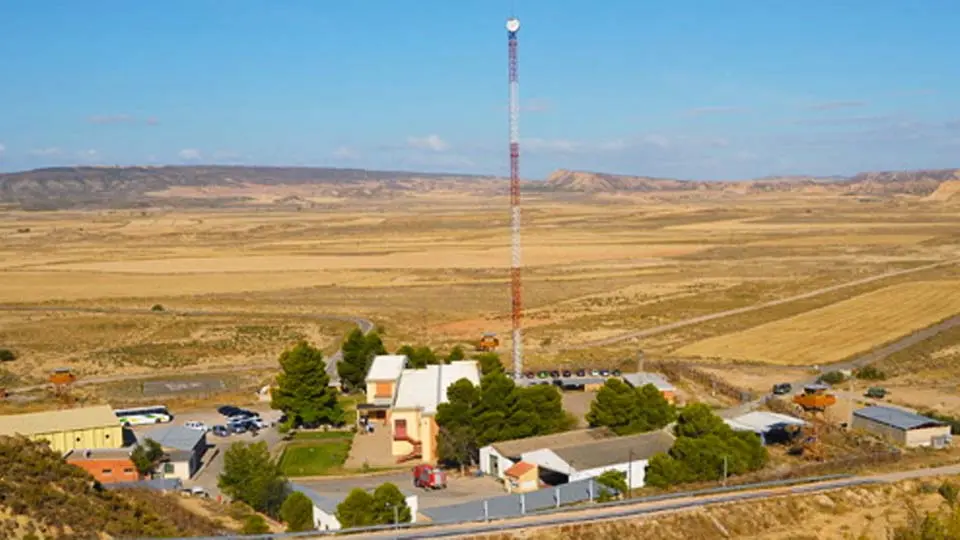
(459, 489)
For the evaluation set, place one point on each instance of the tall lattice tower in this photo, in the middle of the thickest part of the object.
(516, 286)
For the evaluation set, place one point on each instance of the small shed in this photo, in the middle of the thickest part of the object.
(770, 426)
(522, 478)
(902, 427)
(641, 379)
(184, 447)
(325, 507)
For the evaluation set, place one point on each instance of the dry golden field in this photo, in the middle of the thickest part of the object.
(433, 269)
(838, 331)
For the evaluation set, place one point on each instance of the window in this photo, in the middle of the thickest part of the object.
(128, 470)
(78, 439)
(107, 471)
(106, 436)
(400, 429)
(168, 468)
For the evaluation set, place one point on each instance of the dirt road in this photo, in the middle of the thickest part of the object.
(713, 316)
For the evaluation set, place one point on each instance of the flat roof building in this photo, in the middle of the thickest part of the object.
(770, 426)
(184, 448)
(638, 380)
(107, 465)
(68, 429)
(902, 427)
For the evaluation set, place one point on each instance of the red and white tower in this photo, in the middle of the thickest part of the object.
(516, 286)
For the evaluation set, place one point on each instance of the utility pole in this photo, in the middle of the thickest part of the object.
(724, 471)
(630, 466)
(396, 517)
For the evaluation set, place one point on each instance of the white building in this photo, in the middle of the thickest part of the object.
(184, 448)
(902, 427)
(325, 508)
(496, 458)
(770, 426)
(561, 461)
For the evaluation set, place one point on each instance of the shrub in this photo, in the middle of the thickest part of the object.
(870, 373)
(157, 307)
(949, 492)
(832, 377)
(255, 524)
(6, 355)
(297, 512)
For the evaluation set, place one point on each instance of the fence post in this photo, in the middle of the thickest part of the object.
(486, 510)
(590, 488)
(556, 493)
(523, 504)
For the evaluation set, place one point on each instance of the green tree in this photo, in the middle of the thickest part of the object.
(250, 475)
(456, 354)
(490, 363)
(389, 503)
(358, 352)
(612, 483)
(297, 512)
(949, 492)
(255, 524)
(457, 440)
(6, 355)
(146, 455)
(420, 356)
(627, 410)
(303, 390)
(698, 420)
(356, 510)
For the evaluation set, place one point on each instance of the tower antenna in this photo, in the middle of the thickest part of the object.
(516, 285)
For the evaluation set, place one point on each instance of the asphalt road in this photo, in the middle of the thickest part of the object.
(712, 316)
(364, 325)
(595, 514)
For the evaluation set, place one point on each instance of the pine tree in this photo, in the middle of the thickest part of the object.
(297, 512)
(355, 510)
(303, 389)
(389, 504)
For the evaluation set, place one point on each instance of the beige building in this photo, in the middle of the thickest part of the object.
(382, 381)
(68, 429)
(522, 478)
(902, 427)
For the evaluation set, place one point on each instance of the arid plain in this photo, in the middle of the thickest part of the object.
(599, 269)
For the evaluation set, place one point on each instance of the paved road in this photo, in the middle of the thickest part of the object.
(459, 489)
(588, 515)
(712, 316)
(364, 325)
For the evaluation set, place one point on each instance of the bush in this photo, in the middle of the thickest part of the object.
(949, 492)
(255, 524)
(870, 373)
(6, 355)
(952, 421)
(297, 512)
(832, 377)
(157, 307)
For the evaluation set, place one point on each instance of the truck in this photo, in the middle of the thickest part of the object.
(876, 392)
(429, 477)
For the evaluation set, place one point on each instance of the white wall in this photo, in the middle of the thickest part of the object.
(325, 521)
(413, 502)
(635, 476)
(488, 452)
(181, 470)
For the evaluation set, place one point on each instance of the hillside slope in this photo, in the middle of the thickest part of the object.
(43, 495)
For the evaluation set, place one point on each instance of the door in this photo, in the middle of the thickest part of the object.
(400, 428)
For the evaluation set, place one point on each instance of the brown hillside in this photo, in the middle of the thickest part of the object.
(947, 191)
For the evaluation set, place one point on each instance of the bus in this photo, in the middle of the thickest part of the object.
(138, 416)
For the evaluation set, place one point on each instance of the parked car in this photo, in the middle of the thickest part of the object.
(529, 374)
(616, 373)
(543, 375)
(195, 424)
(237, 427)
(595, 372)
(220, 431)
(782, 388)
(555, 374)
(229, 410)
(581, 373)
(604, 372)
(567, 373)
(876, 392)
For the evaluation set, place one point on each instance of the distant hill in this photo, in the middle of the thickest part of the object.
(66, 187)
(922, 183)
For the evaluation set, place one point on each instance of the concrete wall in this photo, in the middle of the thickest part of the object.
(100, 437)
(925, 436)
(413, 502)
(109, 471)
(636, 472)
(429, 431)
(325, 521)
(909, 438)
(527, 482)
(488, 453)
(177, 469)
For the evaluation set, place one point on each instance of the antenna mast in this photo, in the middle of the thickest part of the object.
(516, 288)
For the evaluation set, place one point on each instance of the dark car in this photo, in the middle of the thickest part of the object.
(229, 410)
(237, 427)
(782, 388)
(616, 373)
(567, 373)
(529, 374)
(581, 373)
(604, 372)
(220, 431)
(555, 374)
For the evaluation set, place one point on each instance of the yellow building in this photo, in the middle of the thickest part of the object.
(382, 381)
(68, 429)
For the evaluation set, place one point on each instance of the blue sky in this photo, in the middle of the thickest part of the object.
(706, 89)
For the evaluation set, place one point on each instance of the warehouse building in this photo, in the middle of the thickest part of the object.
(902, 427)
(770, 426)
(573, 456)
(67, 429)
(183, 448)
(641, 379)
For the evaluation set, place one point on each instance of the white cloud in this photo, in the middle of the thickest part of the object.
(431, 142)
(345, 152)
(2, 148)
(189, 154)
(87, 154)
(52, 151)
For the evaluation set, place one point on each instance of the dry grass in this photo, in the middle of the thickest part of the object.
(836, 332)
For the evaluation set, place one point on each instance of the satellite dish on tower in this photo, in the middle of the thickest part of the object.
(513, 24)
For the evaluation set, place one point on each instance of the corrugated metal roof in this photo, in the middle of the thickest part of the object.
(762, 422)
(517, 447)
(642, 379)
(426, 388)
(387, 367)
(614, 451)
(897, 418)
(39, 423)
(176, 437)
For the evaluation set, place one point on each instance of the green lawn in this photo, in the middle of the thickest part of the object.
(316, 453)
